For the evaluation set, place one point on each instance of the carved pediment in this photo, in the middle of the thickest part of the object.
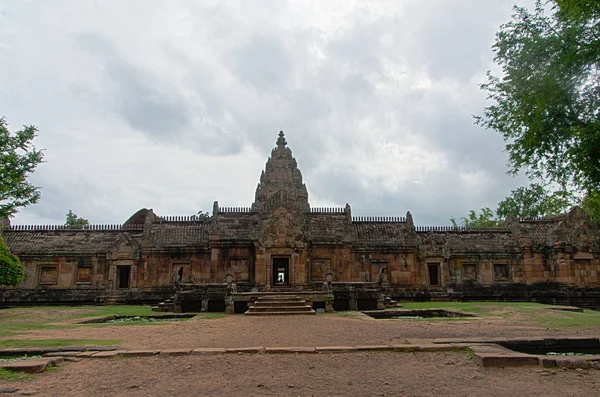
(124, 247)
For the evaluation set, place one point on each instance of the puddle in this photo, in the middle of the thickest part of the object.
(416, 314)
(138, 319)
(556, 347)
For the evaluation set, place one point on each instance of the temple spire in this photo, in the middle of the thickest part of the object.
(281, 182)
(281, 142)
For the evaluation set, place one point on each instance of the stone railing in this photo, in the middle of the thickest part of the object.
(328, 210)
(74, 228)
(380, 219)
(460, 229)
(236, 210)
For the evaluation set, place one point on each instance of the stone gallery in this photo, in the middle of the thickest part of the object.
(280, 244)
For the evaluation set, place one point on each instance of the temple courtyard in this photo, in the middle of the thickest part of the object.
(314, 367)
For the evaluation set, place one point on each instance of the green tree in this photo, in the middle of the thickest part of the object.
(74, 221)
(201, 216)
(484, 219)
(546, 103)
(18, 159)
(535, 200)
(591, 205)
(12, 271)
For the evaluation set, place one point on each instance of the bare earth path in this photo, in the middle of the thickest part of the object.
(322, 330)
(340, 374)
(346, 374)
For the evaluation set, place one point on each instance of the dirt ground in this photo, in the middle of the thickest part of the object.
(321, 330)
(345, 374)
(341, 374)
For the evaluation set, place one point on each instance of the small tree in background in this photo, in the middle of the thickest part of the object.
(74, 221)
(12, 271)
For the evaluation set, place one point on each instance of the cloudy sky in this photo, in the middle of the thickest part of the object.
(172, 105)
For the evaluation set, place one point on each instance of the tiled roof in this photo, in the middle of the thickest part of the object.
(392, 234)
(173, 234)
(467, 241)
(48, 242)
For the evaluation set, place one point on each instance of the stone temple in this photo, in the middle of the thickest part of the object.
(280, 244)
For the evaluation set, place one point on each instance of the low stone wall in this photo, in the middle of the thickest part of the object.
(79, 296)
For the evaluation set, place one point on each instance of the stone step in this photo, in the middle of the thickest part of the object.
(286, 313)
(279, 297)
(280, 308)
(279, 303)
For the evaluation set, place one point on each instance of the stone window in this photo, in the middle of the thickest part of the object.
(470, 271)
(181, 272)
(500, 271)
(84, 271)
(48, 275)
(379, 270)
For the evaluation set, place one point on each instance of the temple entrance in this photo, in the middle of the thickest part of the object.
(434, 273)
(123, 273)
(281, 271)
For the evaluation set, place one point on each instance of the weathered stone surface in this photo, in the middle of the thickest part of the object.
(87, 354)
(336, 349)
(29, 366)
(209, 350)
(505, 359)
(253, 349)
(108, 354)
(62, 354)
(374, 348)
(284, 350)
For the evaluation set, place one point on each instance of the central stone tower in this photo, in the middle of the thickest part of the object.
(281, 182)
(281, 200)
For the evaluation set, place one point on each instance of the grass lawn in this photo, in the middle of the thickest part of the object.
(527, 311)
(17, 320)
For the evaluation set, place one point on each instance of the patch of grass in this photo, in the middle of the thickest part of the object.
(18, 320)
(52, 368)
(484, 309)
(12, 376)
(210, 316)
(562, 319)
(536, 313)
(56, 342)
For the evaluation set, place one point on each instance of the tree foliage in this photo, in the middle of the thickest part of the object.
(523, 202)
(535, 200)
(546, 103)
(591, 205)
(18, 159)
(201, 216)
(484, 219)
(12, 271)
(74, 221)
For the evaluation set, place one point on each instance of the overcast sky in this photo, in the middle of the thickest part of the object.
(172, 105)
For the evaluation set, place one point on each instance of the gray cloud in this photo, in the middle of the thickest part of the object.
(179, 104)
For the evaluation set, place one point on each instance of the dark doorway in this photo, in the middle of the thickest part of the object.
(123, 273)
(434, 274)
(281, 271)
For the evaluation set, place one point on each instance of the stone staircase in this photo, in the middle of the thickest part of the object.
(279, 305)
(115, 298)
(165, 306)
